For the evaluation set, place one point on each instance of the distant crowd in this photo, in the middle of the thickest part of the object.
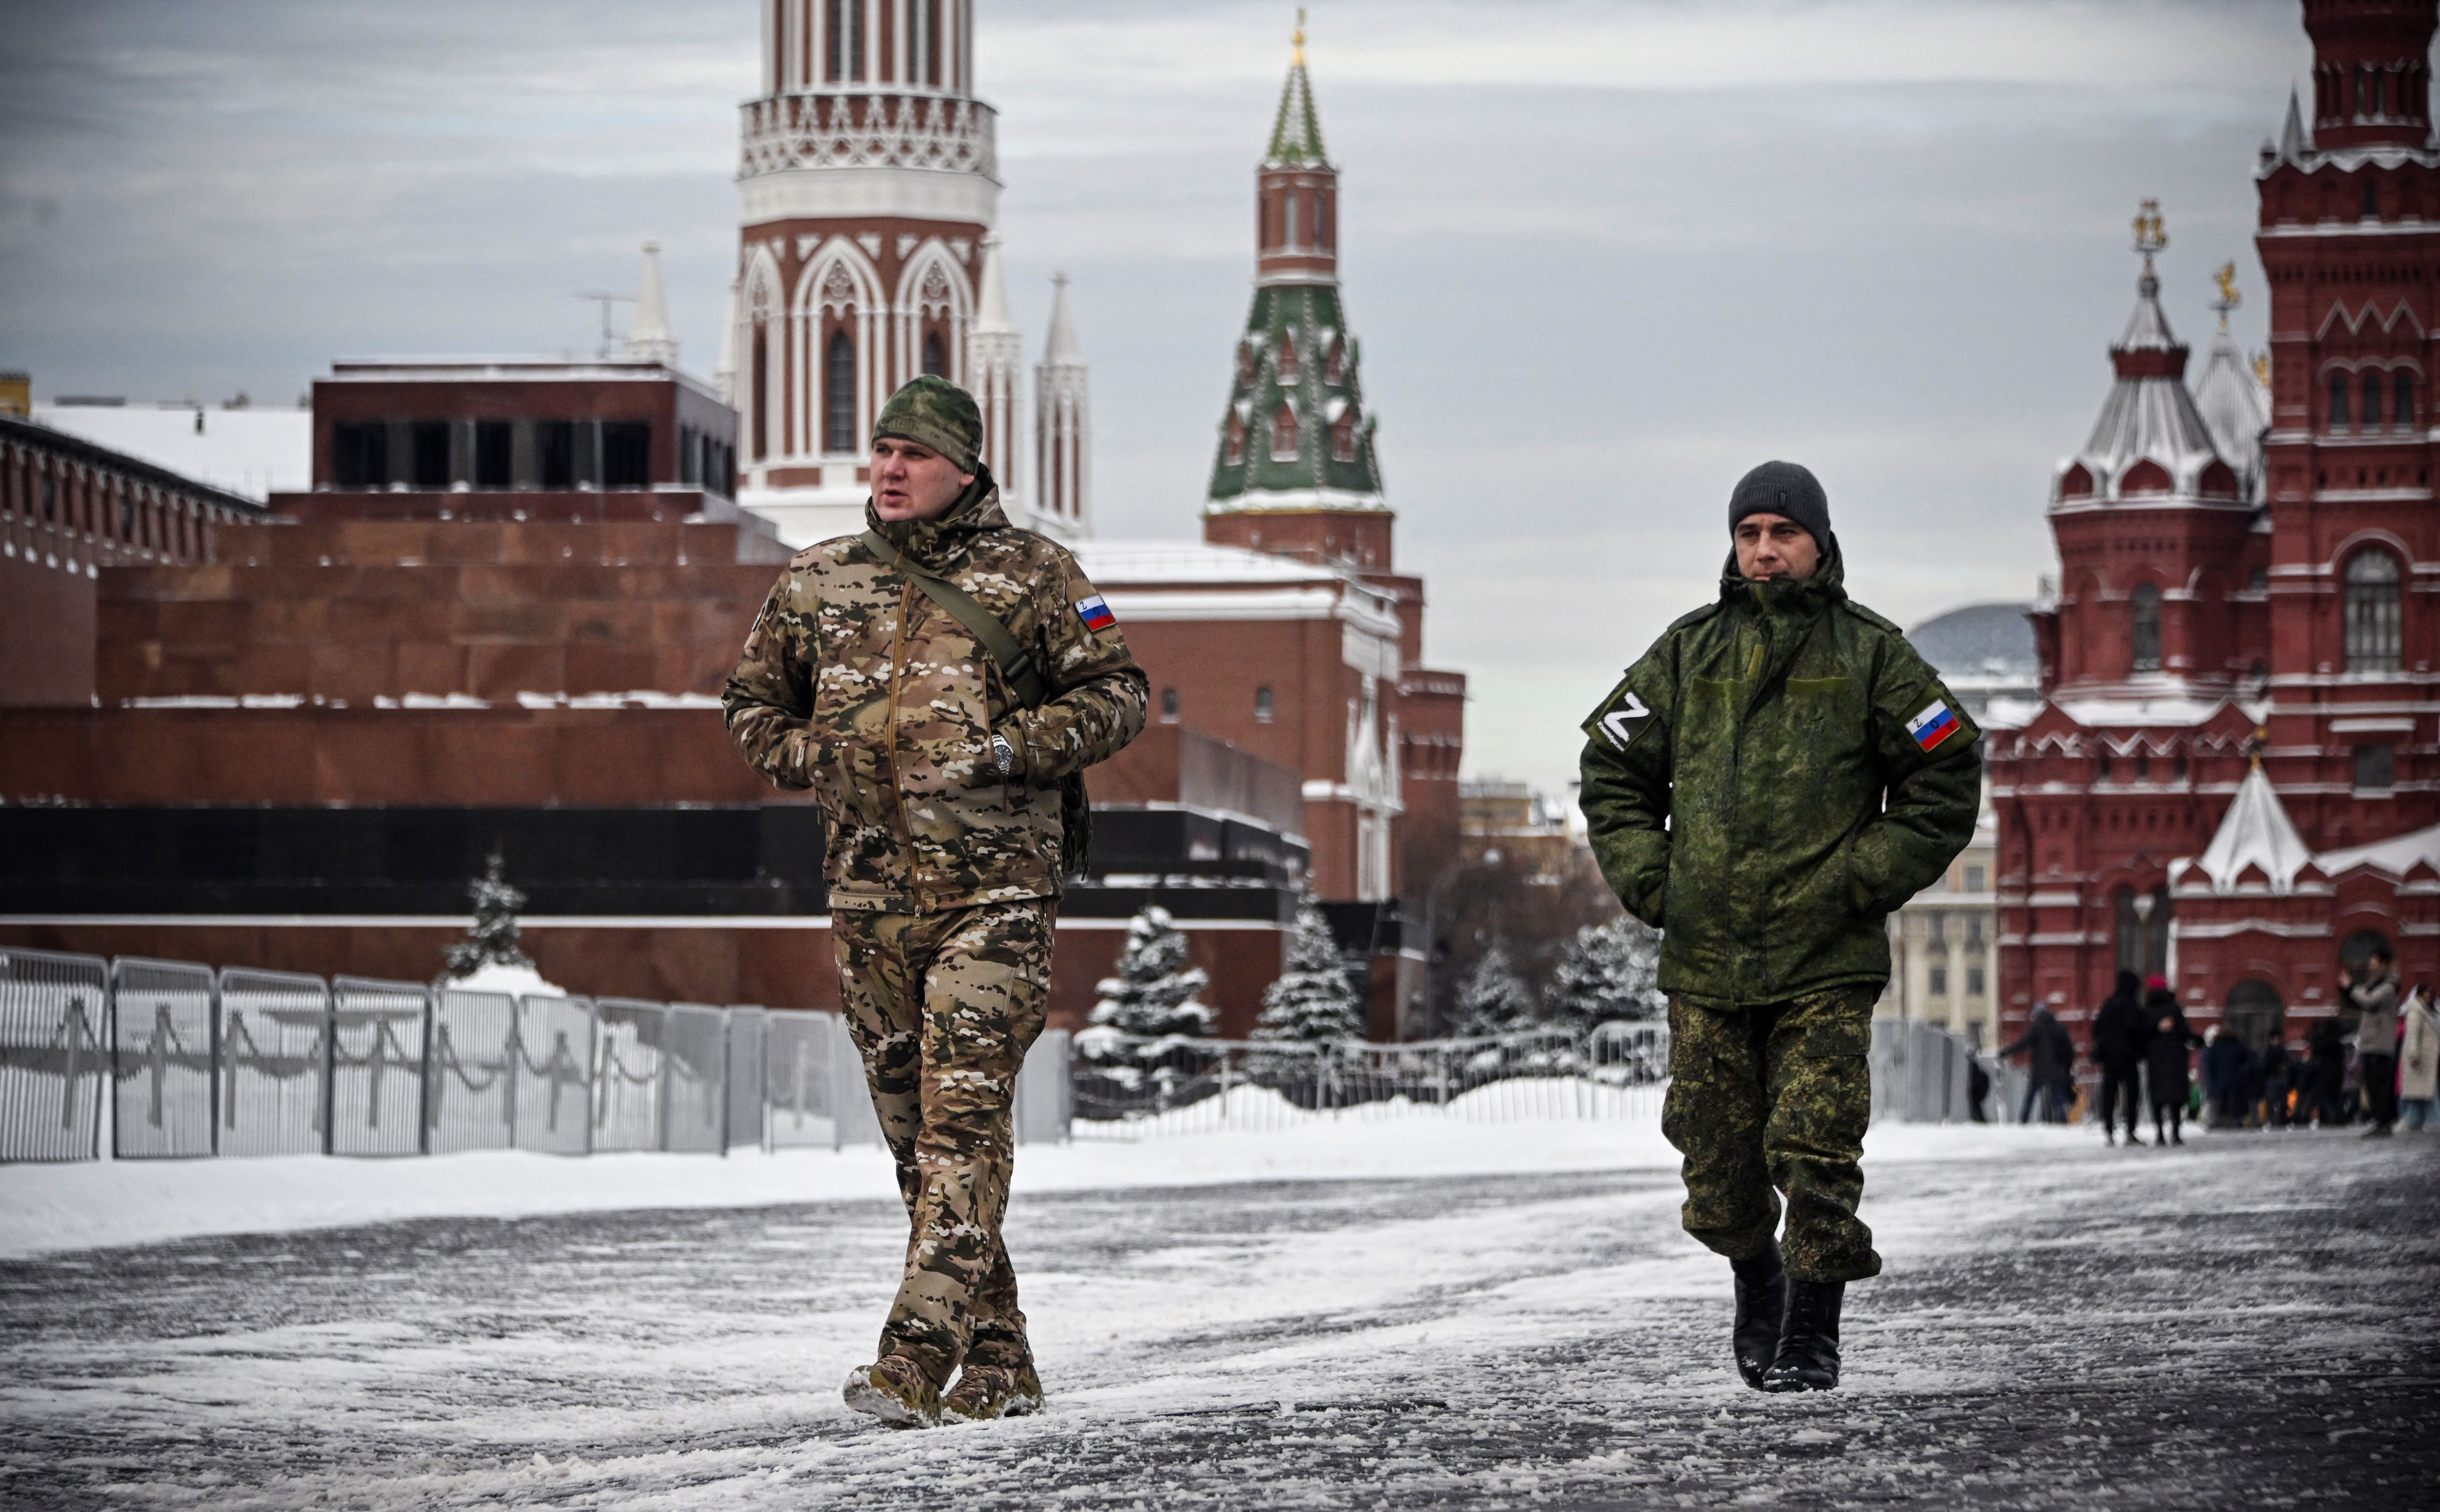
(2372, 1063)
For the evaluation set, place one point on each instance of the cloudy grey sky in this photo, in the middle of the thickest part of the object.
(1603, 254)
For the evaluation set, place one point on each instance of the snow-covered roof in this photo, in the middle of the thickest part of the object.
(1156, 564)
(1993, 642)
(2397, 855)
(2149, 417)
(2235, 409)
(2255, 831)
(2172, 709)
(250, 452)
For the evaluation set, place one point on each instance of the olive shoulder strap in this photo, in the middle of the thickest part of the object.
(1024, 678)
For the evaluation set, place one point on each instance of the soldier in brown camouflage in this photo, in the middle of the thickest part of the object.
(941, 790)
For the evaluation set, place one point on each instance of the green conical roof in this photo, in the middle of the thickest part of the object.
(1296, 434)
(1296, 136)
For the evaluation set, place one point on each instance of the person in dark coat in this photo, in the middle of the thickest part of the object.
(2276, 1070)
(2120, 1032)
(2166, 1061)
(2326, 1075)
(2050, 1065)
(1978, 1090)
(2228, 1074)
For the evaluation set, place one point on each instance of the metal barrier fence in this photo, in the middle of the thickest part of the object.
(1923, 1074)
(1128, 1088)
(52, 1009)
(167, 1059)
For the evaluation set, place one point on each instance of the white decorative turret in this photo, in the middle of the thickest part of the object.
(2231, 399)
(995, 370)
(649, 337)
(1063, 437)
(2256, 833)
(2151, 445)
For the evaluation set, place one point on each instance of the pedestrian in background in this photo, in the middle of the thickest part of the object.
(1766, 784)
(2050, 1065)
(2326, 1075)
(2166, 1061)
(2419, 1058)
(2120, 1032)
(2373, 994)
(2228, 1075)
(2276, 1070)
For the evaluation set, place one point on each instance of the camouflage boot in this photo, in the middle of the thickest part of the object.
(893, 1389)
(993, 1391)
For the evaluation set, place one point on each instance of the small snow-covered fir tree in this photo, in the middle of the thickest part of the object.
(1312, 1001)
(1606, 971)
(493, 937)
(1492, 1000)
(1155, 996)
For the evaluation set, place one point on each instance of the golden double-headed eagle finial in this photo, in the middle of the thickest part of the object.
(2226, 278)
(2149, 237)
(1300, 36)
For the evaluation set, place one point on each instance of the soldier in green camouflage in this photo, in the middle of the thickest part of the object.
(942, 793)
(1778, 774)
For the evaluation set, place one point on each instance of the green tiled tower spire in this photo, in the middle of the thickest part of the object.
(1296, 435)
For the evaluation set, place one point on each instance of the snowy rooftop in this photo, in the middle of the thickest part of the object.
(250, 452)
(1154, 564)
(1990, 642)
(2255, 831)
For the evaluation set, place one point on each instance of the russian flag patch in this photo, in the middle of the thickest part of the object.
(1934, 725)
(1095, 613)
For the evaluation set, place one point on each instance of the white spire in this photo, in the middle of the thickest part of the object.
(2294, 146)
(995, 375)
(649, 337)
(992, 312)
(1062, 346)
(2255, 831)
(1063, 428)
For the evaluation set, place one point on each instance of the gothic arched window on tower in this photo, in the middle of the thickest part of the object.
(838, 395)
(1233, 449)
(1289, 368)
(2371, 200)
(1333, 364)
(1291, 240)
(1249, 353)
(2337, 400)
(2145, 608)
(760, 420)
(1284, 435)
(2372, 611)
(936, 356)
(2372, 400)
(2402, 413)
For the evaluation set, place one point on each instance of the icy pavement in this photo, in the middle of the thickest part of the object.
(2248, 1321)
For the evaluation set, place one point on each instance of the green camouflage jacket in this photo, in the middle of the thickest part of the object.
(856, 685)
(1774, 777)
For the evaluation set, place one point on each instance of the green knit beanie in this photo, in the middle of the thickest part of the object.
(937, 413)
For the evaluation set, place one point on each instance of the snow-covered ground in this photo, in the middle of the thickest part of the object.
(1412, 1313)
(45, 1208)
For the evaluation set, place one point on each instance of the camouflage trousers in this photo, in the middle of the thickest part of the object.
(1776, 1096)
(943, 1008)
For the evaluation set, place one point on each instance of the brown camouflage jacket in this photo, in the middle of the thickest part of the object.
(856, 685)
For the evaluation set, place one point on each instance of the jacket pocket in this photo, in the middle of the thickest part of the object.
(850, 780)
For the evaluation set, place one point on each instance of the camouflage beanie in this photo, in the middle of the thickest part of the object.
(1785, 488)
(937, 413)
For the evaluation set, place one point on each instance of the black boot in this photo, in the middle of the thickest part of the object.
(1808, 1341)
(1762, 1297)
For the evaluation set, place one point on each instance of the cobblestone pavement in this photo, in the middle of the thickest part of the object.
(2248, 1321)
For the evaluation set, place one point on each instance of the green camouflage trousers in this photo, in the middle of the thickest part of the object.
(1776, 1096)
(942, 1007)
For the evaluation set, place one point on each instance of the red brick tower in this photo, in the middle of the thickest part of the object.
(2235, 777)
(1296, 475)
(867, 182)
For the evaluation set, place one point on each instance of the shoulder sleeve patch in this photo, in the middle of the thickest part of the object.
(1095, 612)
(1620, 720)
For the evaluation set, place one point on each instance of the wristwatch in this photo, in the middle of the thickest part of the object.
(1003, 754)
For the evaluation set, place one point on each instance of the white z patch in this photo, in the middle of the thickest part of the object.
(1622, 724)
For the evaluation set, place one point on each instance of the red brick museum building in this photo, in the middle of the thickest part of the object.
(2231, 776)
